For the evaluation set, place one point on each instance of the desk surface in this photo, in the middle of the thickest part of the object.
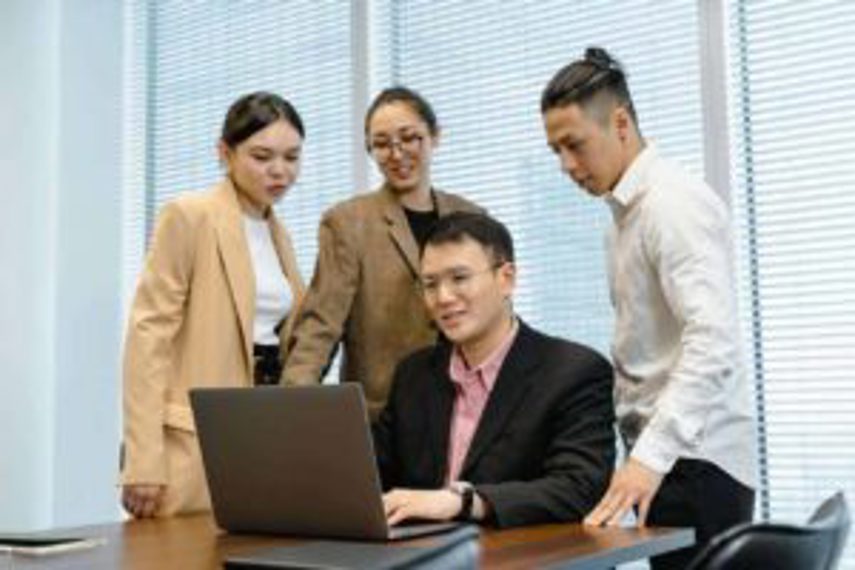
(194, 543)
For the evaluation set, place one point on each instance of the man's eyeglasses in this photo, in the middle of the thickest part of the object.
(406, 143)
(458, 281)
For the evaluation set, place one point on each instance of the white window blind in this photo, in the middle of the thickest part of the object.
(794, 178)
(190, 60)
(482, 64)
(135, 144)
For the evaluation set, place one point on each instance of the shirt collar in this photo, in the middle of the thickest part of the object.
(631, 185)
(488, 370)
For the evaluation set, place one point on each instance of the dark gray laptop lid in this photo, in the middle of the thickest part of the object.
(296, 461)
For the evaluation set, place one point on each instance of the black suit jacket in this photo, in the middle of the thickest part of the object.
(544, 448)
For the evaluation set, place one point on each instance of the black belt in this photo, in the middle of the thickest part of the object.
(267, 365)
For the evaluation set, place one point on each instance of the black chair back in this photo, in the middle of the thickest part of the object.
(816, 545)
(833, 514)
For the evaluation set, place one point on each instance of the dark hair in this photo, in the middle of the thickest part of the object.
(401, 94)
(255, 111)
(489, 232)
(586, 80)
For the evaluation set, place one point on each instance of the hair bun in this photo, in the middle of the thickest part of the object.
(601, 58)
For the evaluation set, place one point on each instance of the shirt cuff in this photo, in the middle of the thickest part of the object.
(654, 453)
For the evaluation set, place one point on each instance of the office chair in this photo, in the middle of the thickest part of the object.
(834, 513)
(816, 545)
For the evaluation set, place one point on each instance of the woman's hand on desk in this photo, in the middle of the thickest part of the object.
(404, 504)
(142, 501)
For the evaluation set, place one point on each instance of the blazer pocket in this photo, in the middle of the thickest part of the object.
(179, 417)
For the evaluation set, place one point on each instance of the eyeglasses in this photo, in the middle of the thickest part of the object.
(406, 143)
(458, 281)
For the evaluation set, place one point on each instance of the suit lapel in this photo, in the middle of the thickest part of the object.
(399, 227)
(234, 254)
(508, 393)
(399, 230)
(439, 406)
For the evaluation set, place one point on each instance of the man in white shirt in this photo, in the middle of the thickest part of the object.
(682, 397)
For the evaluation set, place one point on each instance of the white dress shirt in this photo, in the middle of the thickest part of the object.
(273, 296)
(680, 385)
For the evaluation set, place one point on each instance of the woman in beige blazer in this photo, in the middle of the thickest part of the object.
(216, 297)
(364, 292)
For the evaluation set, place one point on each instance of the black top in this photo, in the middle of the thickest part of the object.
(421, 223)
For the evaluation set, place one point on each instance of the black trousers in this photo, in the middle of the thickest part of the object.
(267, 365)
(701, 495)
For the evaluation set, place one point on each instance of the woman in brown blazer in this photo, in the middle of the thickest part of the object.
(364, 291)
(213, 306)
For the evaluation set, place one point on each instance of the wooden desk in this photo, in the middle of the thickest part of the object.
(194, 543)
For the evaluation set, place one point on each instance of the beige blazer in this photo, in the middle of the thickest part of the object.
(191, 324)
(364, 294)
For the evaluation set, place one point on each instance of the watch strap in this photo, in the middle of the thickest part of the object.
(467, 499)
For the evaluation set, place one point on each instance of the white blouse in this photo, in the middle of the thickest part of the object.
(273, 295)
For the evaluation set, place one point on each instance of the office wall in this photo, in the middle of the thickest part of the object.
(27, 160)
(60, 155)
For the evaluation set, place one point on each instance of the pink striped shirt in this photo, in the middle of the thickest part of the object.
(472, 390)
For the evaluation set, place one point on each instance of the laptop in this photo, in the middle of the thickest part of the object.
(458, 550)
(296, 461)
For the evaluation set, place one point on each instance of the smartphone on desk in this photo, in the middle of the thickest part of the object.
(46, 545)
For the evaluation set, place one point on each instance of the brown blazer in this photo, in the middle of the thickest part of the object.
(364, 294)
(191, 324)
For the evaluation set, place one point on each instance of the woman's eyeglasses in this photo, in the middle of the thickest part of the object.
(406, 143)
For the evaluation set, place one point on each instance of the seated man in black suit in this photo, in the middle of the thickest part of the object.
(497, 422)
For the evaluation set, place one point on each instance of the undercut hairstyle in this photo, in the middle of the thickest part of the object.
(597, 83)
(489, 232)
(256, 111)
(410, 98)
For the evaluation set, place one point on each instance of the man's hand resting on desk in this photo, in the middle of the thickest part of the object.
(404, 504)
(634, 484)
(142, 501)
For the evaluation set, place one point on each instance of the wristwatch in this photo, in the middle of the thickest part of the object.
(467, 496)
